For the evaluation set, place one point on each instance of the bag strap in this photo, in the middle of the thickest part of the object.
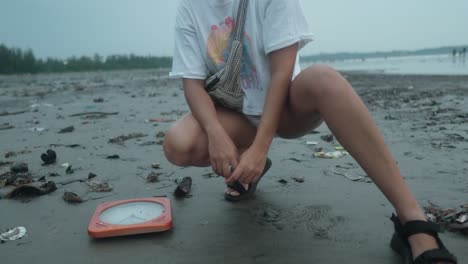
(240, 19)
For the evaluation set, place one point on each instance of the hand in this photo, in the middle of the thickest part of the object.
(250, 168)
(223, 153)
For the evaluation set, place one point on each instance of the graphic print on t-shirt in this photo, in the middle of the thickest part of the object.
(218, 47)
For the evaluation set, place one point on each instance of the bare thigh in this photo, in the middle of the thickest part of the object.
(186, 143)
(297, 120)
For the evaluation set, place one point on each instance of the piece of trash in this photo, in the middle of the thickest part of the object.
(159, 120)
(71, 197)
(330, 155)
(69, 170)
(462, 218)
(156, 166)
(13, 234)
(327, 138)
(153, 177)
(347, 176)
(121, 139)
(183, 188)
(283, 181)
(299, 179)
(97, 186)
(49, 157)
(312, 143)
(91, 175)
(15, 179)
(68, 129)
(339, 148)
(24, 191)
(160, 134)
(98, 100)
(38, 129)
(65, 165)
(113, 157)
(19, 167)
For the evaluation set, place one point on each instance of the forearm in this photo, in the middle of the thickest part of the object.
(201, 105)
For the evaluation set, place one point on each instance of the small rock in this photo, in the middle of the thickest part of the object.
(68, 129)
(299, 179)
(327, 138)
(19, 167)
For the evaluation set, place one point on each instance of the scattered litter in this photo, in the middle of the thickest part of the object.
(6, 126)
(72, 197)
(69, 170)
(65, 165)
(330, 155)
(156, 166)
(299, 179)
(24, 191)
(161, 135)
(44, 104)
(283, 181)
(294, 159)
(98, 100)
(121, 139)
(67, 129)
(14, 179)
(339, 148)
(451, 219)
(183, 188)
(113, 157)
(97, 186)
(153, 177)
(347, 176)
(49, 157)
(327, 138)
(13, 234)
(38, 129)
(148, 143)
(312, 143)
(95, 115)
(19, 167)
(159, 120)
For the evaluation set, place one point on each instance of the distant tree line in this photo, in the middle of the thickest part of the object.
(14, 60)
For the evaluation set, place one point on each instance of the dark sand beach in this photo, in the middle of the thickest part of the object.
(328, 218)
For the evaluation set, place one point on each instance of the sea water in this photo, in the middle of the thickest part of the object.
(421, 65)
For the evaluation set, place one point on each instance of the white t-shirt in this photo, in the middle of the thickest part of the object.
(202, 37)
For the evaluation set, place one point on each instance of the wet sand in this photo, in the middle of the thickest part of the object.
(325, 219)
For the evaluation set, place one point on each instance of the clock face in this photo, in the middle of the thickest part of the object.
(131, 213)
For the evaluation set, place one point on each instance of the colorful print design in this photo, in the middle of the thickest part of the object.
(218, 47)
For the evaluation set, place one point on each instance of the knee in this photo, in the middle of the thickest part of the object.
(322, 80)
(177, 148)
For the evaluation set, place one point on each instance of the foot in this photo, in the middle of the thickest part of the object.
(423, 242)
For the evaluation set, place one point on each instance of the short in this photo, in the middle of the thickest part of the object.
(255, 121)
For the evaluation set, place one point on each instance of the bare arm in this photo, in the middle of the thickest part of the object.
(222, 151)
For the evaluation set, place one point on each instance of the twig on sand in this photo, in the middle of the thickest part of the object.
(94, 113)
(71, 181)
(13, 113)
(347, 176)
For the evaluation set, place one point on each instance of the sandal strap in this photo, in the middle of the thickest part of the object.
(237, 186)
(434, 255)
(415, 227)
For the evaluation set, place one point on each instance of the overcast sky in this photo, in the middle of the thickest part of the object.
(61, 28)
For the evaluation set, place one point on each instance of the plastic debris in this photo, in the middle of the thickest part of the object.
(452, 219)
(38, 129)
(13, 234)
(330, 155)
(299, 179)
(311, 143)
(339, 148)
(183, 188)
(49, 157)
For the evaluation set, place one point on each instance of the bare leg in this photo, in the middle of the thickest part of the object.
(320, 90)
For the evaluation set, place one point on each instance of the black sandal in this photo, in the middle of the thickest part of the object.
(243, 193)
(401, 245)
